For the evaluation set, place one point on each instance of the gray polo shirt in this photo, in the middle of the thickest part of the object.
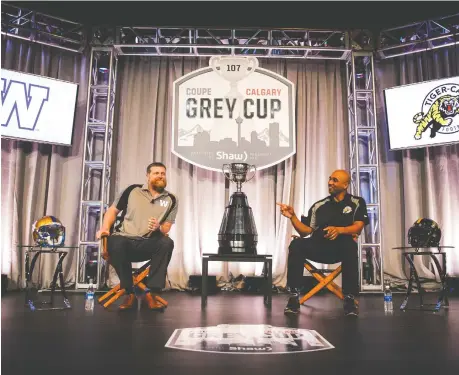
(139, 207)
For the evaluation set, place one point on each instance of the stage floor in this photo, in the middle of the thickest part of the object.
(110, 342)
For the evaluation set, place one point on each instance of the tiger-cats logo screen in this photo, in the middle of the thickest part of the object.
(439, 112)
(423, 114)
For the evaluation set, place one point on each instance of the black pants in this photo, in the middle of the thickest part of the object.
(328, 252)
(123, 251)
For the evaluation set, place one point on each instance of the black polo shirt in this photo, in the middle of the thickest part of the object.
(328, 212)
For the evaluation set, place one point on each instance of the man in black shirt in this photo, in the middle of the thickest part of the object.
(333, 223)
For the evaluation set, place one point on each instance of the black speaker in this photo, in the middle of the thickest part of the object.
(195, 284)
(4, 284)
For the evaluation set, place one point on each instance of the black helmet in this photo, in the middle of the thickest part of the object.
(424, 233)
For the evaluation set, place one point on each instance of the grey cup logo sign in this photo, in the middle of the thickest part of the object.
(439, 112)
(233, 111)
(247, 339)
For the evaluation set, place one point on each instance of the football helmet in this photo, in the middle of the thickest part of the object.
(48, 232)
(424, 233)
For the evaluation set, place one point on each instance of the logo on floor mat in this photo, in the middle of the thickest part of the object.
(247, 339)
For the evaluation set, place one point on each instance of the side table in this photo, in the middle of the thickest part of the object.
(267, 271)
(62, 251)
(409, 256)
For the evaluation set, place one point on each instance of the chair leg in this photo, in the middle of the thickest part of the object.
(109, 293)
(142, 286)
(118, 294)
(323, 282)
(138, 278)
(331, 286)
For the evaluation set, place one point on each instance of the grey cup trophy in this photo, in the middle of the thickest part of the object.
(238, 233)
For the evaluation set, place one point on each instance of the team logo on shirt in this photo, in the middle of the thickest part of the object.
(163, 203)
(347, 209)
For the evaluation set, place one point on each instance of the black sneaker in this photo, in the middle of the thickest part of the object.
(293, 305)
(350, 307)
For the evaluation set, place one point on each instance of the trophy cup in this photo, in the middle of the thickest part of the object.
(238, 234)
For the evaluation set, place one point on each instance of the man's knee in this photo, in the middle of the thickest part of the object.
(295, 250)
(296, 247)
(117, 244)
(167, 243)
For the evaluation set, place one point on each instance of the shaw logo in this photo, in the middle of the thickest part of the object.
(22, 103)
(221, 155)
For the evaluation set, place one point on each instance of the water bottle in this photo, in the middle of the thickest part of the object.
(89, 298)
(388, 306)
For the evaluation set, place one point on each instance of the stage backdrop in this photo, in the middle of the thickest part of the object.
(39, 179)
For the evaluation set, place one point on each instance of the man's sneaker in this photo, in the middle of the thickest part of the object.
(293, 305)
(350, 306)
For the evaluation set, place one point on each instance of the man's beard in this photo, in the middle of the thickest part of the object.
(335, 192)
(159, 185)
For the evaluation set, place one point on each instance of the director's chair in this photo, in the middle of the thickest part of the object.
(137, 276)
(323, 279)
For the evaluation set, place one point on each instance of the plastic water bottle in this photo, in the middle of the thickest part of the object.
(89, 298)
(388, 305)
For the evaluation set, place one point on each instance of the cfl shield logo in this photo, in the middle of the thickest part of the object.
(439, 111)
(22, 103)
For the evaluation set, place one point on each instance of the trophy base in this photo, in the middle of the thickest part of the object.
(224, 250)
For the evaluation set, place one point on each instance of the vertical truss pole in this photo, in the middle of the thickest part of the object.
(364, 164)
(95, 175)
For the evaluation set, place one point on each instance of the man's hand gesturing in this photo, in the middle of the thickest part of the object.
(286, 210)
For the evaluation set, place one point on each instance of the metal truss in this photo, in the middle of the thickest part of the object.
(36, 27)
(43, 29)
(364, 164)
(261, 43)
(96, 171)
(418, 37)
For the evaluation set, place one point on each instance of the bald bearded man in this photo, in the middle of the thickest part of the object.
(332, 225)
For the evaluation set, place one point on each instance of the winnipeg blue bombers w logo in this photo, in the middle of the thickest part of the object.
(163, 203)
(22, 103)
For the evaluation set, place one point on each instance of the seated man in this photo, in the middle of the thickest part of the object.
(333, 222)
(149, 212)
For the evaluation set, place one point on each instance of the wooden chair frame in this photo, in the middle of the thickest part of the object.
(324, 281)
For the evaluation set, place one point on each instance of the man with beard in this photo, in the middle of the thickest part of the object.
(149, 212)
(333, 223)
